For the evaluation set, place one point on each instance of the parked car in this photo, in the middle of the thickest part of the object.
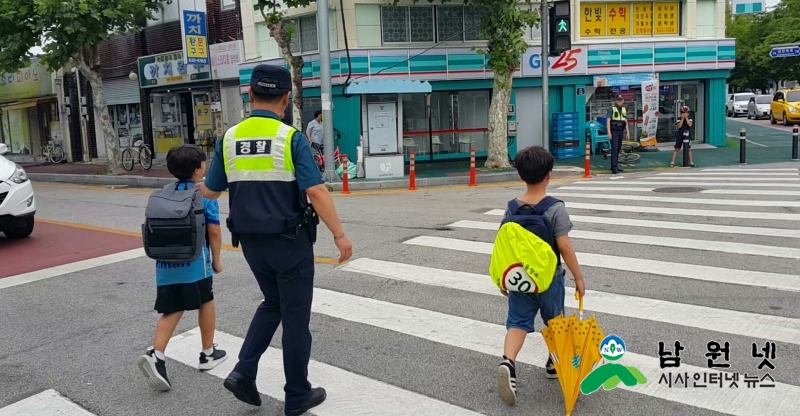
(758, 107)
(17, 202)
(737, 104)
(785, 106)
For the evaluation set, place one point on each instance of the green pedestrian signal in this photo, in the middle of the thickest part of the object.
(559, 28)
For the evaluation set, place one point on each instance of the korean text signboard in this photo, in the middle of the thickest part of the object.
(619, 19)
(30, 82)
(656, 18)
(170, 69)
(195, 37)
(643, 19)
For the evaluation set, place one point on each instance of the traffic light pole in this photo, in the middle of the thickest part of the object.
(545, 66)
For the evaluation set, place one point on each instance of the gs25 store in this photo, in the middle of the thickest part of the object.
(586, 78)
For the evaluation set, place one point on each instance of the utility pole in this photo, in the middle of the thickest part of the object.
(545, 67)
(325, 87)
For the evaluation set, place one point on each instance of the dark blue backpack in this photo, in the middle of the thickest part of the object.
(531, 218)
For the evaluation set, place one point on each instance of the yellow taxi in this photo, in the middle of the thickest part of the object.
(785, 106)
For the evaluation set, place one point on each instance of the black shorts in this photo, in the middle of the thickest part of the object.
(679, 141)
(184, 297)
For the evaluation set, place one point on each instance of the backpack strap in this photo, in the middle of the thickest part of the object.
(513, 207)
(544, 204)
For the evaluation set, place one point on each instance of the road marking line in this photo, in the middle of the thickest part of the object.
(48, 402)
(487, 338)
(666, 225)
(755, 143)
(723, 178)
(675, 211)
(324, 260)
(63, 269)
(728, 174)
(677, 200)
(664, 182)
(348, 393)
(708, 191)
(746, 324)
(749, 169)
(687, 271)
(604, 188)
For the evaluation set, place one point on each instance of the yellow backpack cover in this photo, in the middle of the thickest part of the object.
(523, 261)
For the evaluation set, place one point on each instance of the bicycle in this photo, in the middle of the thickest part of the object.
(627, 151)
(143, 154)
(53, 151)
(319, 154)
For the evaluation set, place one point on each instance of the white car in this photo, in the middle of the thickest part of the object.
(17, 202)
(737, 104)
(758, 107)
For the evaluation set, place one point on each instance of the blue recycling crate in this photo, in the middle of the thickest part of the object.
(558, 128)
(572, 123)
(563, 136)
(566, 152)
(565, 116)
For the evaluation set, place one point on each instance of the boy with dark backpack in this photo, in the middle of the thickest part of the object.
(182, 233)
(526, 264)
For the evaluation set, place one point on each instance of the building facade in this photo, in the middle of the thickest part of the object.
(438, 98)
(155, 96)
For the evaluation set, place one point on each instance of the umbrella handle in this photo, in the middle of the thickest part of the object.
(579, 298)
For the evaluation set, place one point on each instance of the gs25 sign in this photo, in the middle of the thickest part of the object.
(572, 62)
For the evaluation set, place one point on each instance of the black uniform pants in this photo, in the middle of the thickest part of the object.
(616, 144)
(284, 269)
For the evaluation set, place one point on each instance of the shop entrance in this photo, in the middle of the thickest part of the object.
(673, 96)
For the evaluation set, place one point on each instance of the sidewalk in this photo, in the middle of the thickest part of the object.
(158, 176)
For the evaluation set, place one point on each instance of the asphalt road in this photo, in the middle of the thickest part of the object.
(681, 255)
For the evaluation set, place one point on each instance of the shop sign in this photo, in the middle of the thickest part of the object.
(225, 59)
(571, 62)
(170, 69)
(30, 82)
(195, 37)
(621, 80)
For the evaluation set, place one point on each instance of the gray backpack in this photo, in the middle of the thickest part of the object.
(174, 226)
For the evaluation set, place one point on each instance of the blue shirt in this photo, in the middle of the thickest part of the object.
(306, 170)
(201, 267)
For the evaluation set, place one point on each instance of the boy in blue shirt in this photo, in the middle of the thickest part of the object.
(534, 166)
(187, 286)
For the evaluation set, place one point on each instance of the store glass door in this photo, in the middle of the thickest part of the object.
(167, 122)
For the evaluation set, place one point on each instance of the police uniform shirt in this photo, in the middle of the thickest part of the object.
(616, 124)
(307, 172)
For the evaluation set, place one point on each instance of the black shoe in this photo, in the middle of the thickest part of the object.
(244, 390)
(620, 170)
(614, 171)
(550, 369)
(316, 398)
(155, 370)
(208, 362)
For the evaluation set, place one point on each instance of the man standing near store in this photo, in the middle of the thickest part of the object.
(314, 131)
(271, 175)
(617, 125)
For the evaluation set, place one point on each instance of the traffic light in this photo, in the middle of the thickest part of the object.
(560, 28)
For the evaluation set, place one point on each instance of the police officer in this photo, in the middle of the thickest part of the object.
(617, 125)
(271, 174)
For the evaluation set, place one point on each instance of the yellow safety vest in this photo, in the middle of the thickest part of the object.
(521, 261)
(615, 115)
(259, 149)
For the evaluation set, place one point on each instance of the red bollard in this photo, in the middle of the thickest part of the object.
(472, 173)
(412, 173)
(587, 164)
(345, 182)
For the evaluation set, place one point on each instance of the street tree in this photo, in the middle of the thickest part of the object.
(502, 26)
(71, 32)
(273, 12)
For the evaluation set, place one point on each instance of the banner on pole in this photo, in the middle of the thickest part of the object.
(649, 112)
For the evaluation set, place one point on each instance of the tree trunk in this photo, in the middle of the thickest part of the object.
(112, 142)
(498, 121)
(296, 63)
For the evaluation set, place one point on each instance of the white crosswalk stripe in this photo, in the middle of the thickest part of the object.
(48, 402)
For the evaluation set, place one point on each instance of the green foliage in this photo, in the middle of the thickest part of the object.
(755, 34)
(271, 9)
(503, 25)
(70, 29)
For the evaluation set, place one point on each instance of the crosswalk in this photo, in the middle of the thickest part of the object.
(697, 256)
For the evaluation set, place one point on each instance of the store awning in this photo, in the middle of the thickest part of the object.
(389, 86)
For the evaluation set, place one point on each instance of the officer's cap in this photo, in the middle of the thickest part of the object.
(270, 80)
(620, 97)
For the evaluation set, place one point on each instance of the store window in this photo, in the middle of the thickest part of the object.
(626, 19)
(446, 125)
(304, 38)
(127, 122)
(428, 24)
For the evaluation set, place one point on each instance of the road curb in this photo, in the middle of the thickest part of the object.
(355, 185)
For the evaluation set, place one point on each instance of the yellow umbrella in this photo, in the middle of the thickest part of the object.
(574, 346)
